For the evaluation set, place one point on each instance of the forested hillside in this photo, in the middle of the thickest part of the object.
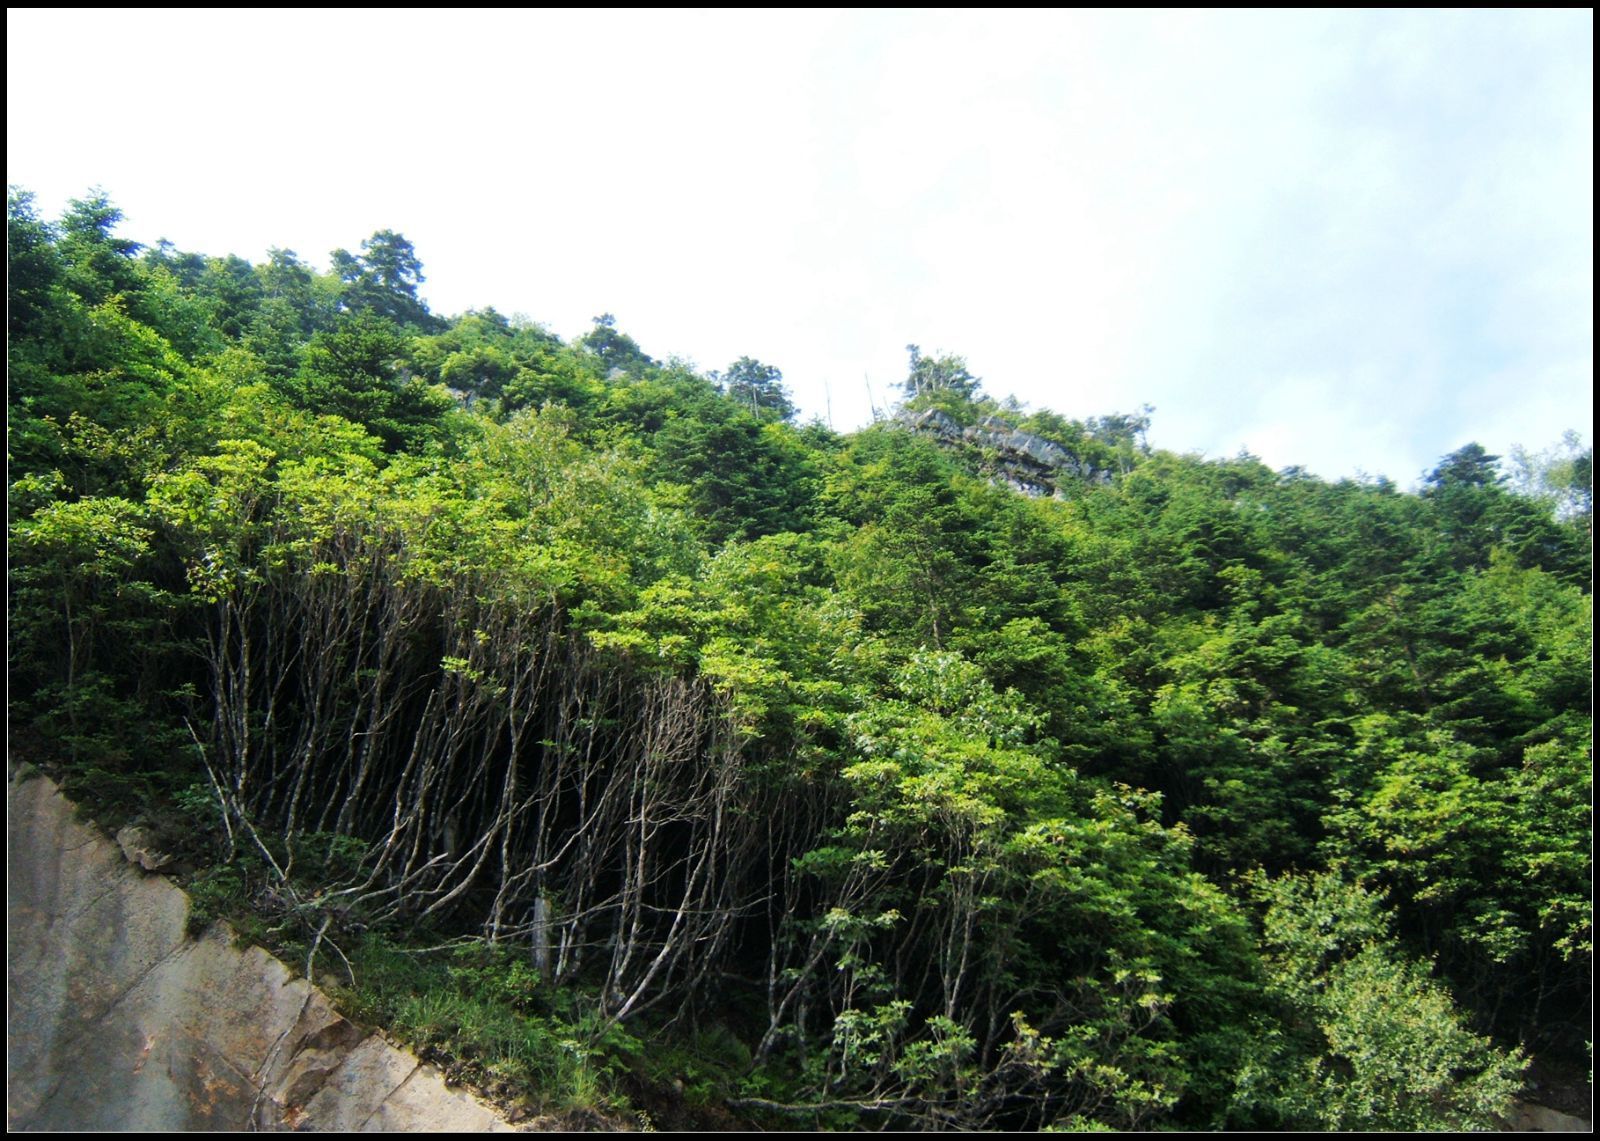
(598, 726)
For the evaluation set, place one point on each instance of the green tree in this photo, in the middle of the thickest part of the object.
(355, 372)
(944, 375)
(98, 264)
(33, 268)
(618, 353)
(746, 479)
(236, 292)
(759, 388)
(1560, 478)
(1370, 1041)
(383, 280)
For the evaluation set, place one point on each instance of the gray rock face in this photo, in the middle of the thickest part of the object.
(1029, 463)
(139, 846)
(116, 1020)
(1531, 1117)
(995, 433)
(939, 423)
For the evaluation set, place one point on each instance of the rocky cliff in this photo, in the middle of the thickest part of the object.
(116, 1020)
(1031, 464)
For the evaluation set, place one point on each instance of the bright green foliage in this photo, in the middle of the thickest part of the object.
(91, 635)
(980, 769)
(995, 893)
(1371, 1042)
(83, 551)
(486, 357)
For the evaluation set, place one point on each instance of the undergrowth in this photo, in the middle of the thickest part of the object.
(480, 1012)
(485, 1016)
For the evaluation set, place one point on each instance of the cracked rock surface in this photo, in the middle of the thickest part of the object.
(115, 1020)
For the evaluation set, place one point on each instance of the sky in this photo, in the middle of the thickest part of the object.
(1350, 241)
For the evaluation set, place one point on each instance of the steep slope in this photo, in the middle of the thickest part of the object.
(116, 1020)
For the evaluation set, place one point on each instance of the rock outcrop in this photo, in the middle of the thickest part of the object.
(1531, 1117)
(1030, 464)
(116, 1020)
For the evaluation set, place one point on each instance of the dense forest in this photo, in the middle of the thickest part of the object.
(980, 768)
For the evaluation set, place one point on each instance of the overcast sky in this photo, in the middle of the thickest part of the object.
(1352, 241)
